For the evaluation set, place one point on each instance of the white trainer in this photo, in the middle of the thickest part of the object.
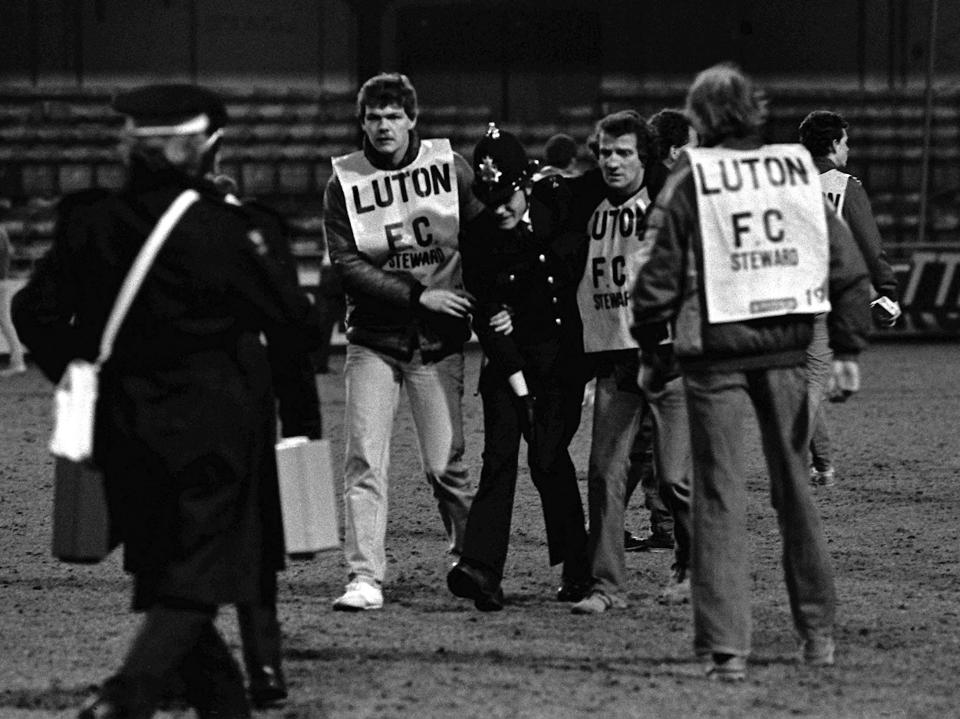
(360, 596)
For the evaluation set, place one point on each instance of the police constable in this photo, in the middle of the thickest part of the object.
(737, 271)
(298, 406)
(531, 383)
(182, 434)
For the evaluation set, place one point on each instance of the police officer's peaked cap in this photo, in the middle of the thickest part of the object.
(172, 109)
(500, 166)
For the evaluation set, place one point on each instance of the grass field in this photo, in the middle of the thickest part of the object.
(893, 523)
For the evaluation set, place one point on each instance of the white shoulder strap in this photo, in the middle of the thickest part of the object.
(141, 265)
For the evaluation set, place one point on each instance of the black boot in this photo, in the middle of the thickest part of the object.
(470, 582)
(213, 679)
(260, 634)
(267, 686)
(123, 697)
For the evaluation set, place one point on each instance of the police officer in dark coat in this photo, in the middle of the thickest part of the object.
(515, 264)
(298, 404)
(181, 433)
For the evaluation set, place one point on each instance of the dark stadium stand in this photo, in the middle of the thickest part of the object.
(279, 145)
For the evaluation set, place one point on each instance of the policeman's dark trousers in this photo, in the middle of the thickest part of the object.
(260, 628)
(183, 642)
(719, 405)
(557, 417)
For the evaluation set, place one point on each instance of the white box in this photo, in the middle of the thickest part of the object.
(308, 498)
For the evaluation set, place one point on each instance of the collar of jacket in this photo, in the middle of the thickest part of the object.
(147, 174)
(382, 162)
(825, 164)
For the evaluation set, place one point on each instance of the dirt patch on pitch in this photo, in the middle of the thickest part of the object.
(893, 523)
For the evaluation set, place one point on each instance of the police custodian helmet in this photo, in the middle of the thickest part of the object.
(500, 166)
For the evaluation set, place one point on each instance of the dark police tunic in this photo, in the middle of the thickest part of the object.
(529, 271)
(294, 383)
(182, 430)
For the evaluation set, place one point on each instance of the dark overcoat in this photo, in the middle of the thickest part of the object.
(184, 426)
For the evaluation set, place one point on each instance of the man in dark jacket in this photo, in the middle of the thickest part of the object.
(184, 424)
(672, 133)
(522, 273)
(392, 216)
(824, 134)
(745, 252)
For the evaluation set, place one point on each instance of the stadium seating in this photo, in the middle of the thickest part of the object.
(279, 145)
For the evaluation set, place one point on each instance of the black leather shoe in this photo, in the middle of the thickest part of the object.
(476, 584)
(631, 542)
(490, 602)
(267, 687)
(573, 591)
(123, 697)
(656, 542)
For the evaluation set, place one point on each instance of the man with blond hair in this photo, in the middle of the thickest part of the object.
(744, 253)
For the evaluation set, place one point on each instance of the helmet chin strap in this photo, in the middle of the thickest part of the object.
(211, 141)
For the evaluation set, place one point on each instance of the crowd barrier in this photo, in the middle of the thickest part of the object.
(929, 294)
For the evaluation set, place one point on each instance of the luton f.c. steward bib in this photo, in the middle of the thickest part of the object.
(764, 230)
(616, 252)
(406, 220)
(834, 186)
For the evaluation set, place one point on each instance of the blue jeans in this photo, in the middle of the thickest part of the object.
(643, 473)
(435, 391)
(719, 403)
(616, 419)
(819, 367)
(673, 459)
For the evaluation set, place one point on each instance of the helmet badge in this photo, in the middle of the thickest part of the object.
(489, 172)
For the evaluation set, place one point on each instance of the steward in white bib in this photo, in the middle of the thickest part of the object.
(393, 232)
(847, 195)
(763, 230)
(744, 252)
(834, 185)
(408, 219)
(615, 252)
(742, 242)
(824, 134)
(608, 214)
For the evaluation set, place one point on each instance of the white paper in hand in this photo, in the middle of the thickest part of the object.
(74, 406)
